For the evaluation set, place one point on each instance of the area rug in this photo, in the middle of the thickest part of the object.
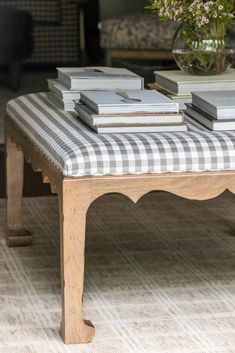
(160, 277)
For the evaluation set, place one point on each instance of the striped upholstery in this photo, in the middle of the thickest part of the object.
(77, 151)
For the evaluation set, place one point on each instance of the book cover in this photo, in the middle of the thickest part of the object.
(179, 82)
(61, 103)
(61, 91)
(172, 95)
(181, 99)
(209, 121)
(132, 128)
(220, 104)
(99, 78)
(137, 118)
(130, 101)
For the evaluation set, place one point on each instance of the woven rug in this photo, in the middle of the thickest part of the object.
(160, 277)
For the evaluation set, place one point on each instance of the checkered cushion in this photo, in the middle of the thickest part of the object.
(76, 150)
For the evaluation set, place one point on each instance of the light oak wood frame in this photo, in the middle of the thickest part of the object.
(75, 196)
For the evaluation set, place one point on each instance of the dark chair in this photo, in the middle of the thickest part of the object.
(16, 41)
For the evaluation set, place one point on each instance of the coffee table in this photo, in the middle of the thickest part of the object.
(82, 166)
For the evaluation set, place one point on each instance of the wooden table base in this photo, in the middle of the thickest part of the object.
(75, 196)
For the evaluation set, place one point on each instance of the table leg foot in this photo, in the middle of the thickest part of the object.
(82, 333)
(74, 202)
(18, 237)
(15, 234)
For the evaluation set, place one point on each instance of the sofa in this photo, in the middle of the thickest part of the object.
(139, 35)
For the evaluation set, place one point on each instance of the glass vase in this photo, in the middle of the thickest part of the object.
(209, 54)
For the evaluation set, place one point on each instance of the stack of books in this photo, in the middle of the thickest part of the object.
(129, 111)
(179, 86)
(72, 80)
(61, 95)
(215, 110)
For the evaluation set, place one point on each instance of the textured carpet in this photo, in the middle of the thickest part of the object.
(160, 277)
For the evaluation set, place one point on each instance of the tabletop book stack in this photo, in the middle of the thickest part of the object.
(179, 86)
(129, 111)
(72, 80)
(215, 110)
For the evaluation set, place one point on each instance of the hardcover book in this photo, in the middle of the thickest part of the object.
(61, 103)
(140, 128)
(180, 83)
(209, 121)
(219, 104)
(61, 91)
(99, 78)
(137, 118)
(182, 99)
(131, 101)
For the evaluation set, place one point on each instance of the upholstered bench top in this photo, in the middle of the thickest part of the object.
(141, 30)
(76, 150)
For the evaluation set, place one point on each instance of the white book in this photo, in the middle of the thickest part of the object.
(182, 99)
(170, 94)
(219, 104)
(131, 101)
(62, 104)
(138, 118)
(99, 78)
(61, 91)
(128, 128)
(208, 121)
(178, 82)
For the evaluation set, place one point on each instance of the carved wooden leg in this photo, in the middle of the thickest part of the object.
(73, 208)
(15, 235)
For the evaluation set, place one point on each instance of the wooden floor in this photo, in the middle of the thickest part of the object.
(33, 185)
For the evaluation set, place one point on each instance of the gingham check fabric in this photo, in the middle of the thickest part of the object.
(76, 150)
(41, 10)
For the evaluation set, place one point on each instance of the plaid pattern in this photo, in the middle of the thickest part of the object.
(76, 150)
(55, 29)
(41, 10)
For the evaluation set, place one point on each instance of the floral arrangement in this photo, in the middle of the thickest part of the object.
(200, 20)
(196, 13)
(199, 15)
